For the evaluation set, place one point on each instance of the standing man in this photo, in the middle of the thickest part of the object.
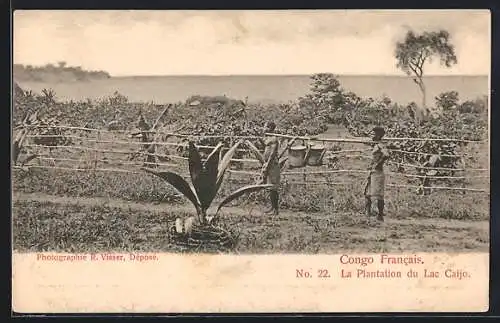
(143, 130)
(376, 179)
(271, 168)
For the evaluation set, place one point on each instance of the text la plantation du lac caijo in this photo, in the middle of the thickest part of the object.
(381, 267)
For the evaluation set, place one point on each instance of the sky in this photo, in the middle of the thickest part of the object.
(203, 42)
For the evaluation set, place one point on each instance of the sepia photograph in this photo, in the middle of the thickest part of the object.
(359, 134)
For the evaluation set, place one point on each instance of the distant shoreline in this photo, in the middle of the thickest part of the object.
(55, 73)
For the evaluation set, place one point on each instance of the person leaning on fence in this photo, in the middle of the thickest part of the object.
(271, 168)
(375, 185)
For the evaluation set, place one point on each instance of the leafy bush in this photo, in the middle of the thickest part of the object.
(211, 116)
(447, 100)
(477, 106)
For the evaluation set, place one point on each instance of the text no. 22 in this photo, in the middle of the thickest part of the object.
(320, 273)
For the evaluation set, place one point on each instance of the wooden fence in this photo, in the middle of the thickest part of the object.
(90, 149)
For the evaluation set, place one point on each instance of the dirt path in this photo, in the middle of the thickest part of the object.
(237, 211)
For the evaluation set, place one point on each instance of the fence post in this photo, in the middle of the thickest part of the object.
(398, 190)
(96, 156)
(304, 176)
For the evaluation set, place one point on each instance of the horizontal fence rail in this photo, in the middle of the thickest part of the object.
(284, 173)
(240, 150)
(118, 170)
(329, 156)
(368, 140)
(311, 138)
(437, 168)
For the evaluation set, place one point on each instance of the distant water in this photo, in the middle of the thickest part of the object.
(267, 89)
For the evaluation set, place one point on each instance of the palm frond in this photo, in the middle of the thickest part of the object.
(242, 191)
(255, 151)
(179, 184)
(224, 164)
(206, 185)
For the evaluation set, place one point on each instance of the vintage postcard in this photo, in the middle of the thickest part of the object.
(250, 161)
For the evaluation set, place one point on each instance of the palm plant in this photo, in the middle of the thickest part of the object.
(206, 179)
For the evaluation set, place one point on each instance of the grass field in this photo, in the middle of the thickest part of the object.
(50, 223)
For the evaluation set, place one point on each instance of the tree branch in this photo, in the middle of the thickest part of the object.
(420, 63)
(413, 68)
(423, 58)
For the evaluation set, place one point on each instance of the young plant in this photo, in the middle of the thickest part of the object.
(206, 179)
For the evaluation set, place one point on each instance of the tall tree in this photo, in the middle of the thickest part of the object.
(418, 49)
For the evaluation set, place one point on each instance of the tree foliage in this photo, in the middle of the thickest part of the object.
(417, 49)
(447, 100)
(59, 72)
(325, 91)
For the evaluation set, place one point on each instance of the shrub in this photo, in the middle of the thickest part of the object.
(447, 100)
(477, 106)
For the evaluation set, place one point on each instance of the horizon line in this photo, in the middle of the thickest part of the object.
(293, 74)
